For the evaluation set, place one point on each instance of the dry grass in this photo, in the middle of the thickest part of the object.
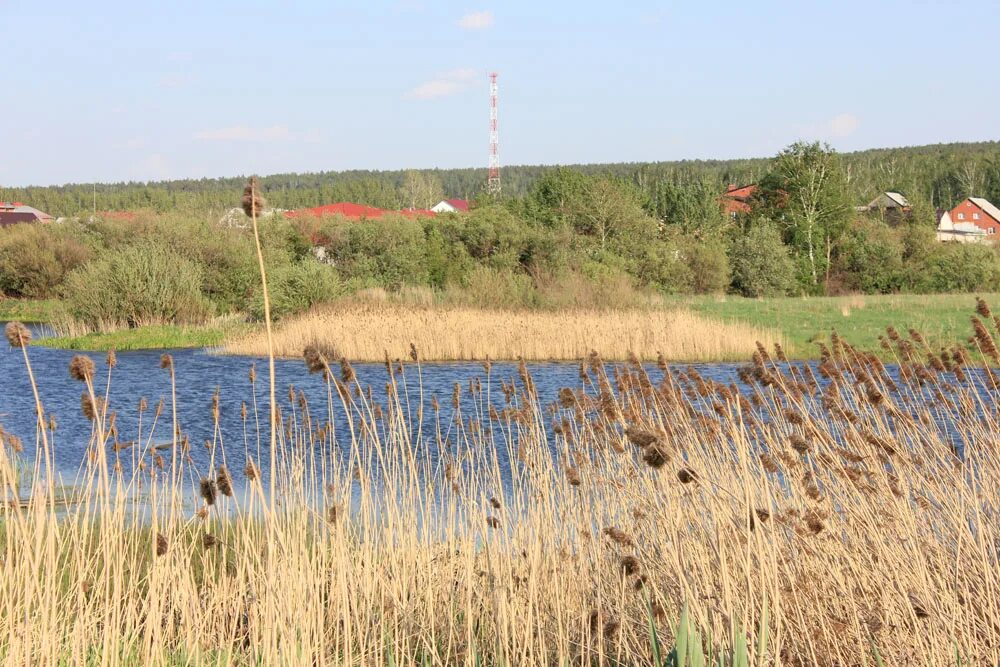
(836, 495)
(369, 332)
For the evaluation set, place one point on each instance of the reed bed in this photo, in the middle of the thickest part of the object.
(367, 332)
(857, 506)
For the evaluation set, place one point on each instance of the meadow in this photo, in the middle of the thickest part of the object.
(837, 514)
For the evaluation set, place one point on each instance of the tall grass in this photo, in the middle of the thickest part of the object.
(367, 332)
(837, 509)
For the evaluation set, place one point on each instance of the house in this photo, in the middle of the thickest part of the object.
(12, 213)
(354, 211)
(451, 206)
(892, 206)
(961, 232)
(737, 199)
(980, 213)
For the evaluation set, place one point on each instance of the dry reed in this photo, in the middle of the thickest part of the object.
(858, 519)
(367, 332)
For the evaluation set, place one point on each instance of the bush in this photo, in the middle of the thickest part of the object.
(708, 265)
(34, 259)
(298, 286)
(145, 283)
(957, 267)
(760, 262)
(870, 258)
(387, 252)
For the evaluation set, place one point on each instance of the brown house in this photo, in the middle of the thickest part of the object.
(12, 213)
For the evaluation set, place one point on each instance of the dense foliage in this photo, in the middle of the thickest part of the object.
(577, 237)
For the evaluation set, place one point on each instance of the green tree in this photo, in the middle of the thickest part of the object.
(807, 184)
(761, 265)
(420, 189)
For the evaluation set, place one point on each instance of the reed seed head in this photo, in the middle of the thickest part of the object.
(224, 481)
(81, 368)
(209, 490)
(686, 476)
(166, 362)
(655, 456)
(253, 203)
(641, 437)
(209, 541)
(17, 334)
(161, 545)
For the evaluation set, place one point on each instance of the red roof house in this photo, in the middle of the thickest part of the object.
(979, 212)
(353, 211)
(451, 206)
(737, 199)
(12, 213)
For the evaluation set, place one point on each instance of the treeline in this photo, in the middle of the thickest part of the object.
(936, 175)
(574, 239)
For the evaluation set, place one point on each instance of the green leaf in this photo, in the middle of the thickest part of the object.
(681, 643)
(762, 633)
(654, 638)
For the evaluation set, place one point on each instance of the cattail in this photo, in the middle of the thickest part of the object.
(814, 522)
(655, 456)
(315, 361)
(686, 475)
(224, 481)
(253, 202)
(619, 536)
(983, 308)
(161, 545)
(251, 472)
(640, 437)
(81, 368)
(629, 565)
(17, 334)
(90, 407)
(209, 490)
(166, 362)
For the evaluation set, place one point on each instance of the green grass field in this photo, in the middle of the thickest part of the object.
(943, 319)
(152, 337)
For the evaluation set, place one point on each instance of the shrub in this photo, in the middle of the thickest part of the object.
(295, 287)
(760, 262)
(957, 267)
(709, 267)
(389, 251)
(34, 259)
(870, 258)
(145, 283)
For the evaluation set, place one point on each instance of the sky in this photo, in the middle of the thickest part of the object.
(137, 91)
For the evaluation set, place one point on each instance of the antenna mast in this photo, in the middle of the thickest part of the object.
(493, 181)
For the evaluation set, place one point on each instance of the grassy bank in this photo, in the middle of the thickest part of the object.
(369, 332)
(150, 337)
(28, 310)
(942, 318)
(833, 519)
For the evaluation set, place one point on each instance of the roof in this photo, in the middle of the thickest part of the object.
(740, 193)
(894, 199)
(898, 198)
(460, 204)
(987, 207)
(353, 211)
(18, 207)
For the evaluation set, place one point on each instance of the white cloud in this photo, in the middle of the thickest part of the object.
(244, 133)
(444, 84)
(843, 125)
(476, 20)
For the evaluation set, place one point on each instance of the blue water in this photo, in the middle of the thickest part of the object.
(200, 373)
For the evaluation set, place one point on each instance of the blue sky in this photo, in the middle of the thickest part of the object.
(109, 91)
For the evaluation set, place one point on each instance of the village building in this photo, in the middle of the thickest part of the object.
(737, 199)
(979, 212)
(451, 206)
(354, 211)
(960, 232)
(893, 206)
(12, 213)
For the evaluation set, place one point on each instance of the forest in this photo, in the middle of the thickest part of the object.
(601, 236)
(935, 176)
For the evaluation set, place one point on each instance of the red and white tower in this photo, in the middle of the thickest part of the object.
(493, 180)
